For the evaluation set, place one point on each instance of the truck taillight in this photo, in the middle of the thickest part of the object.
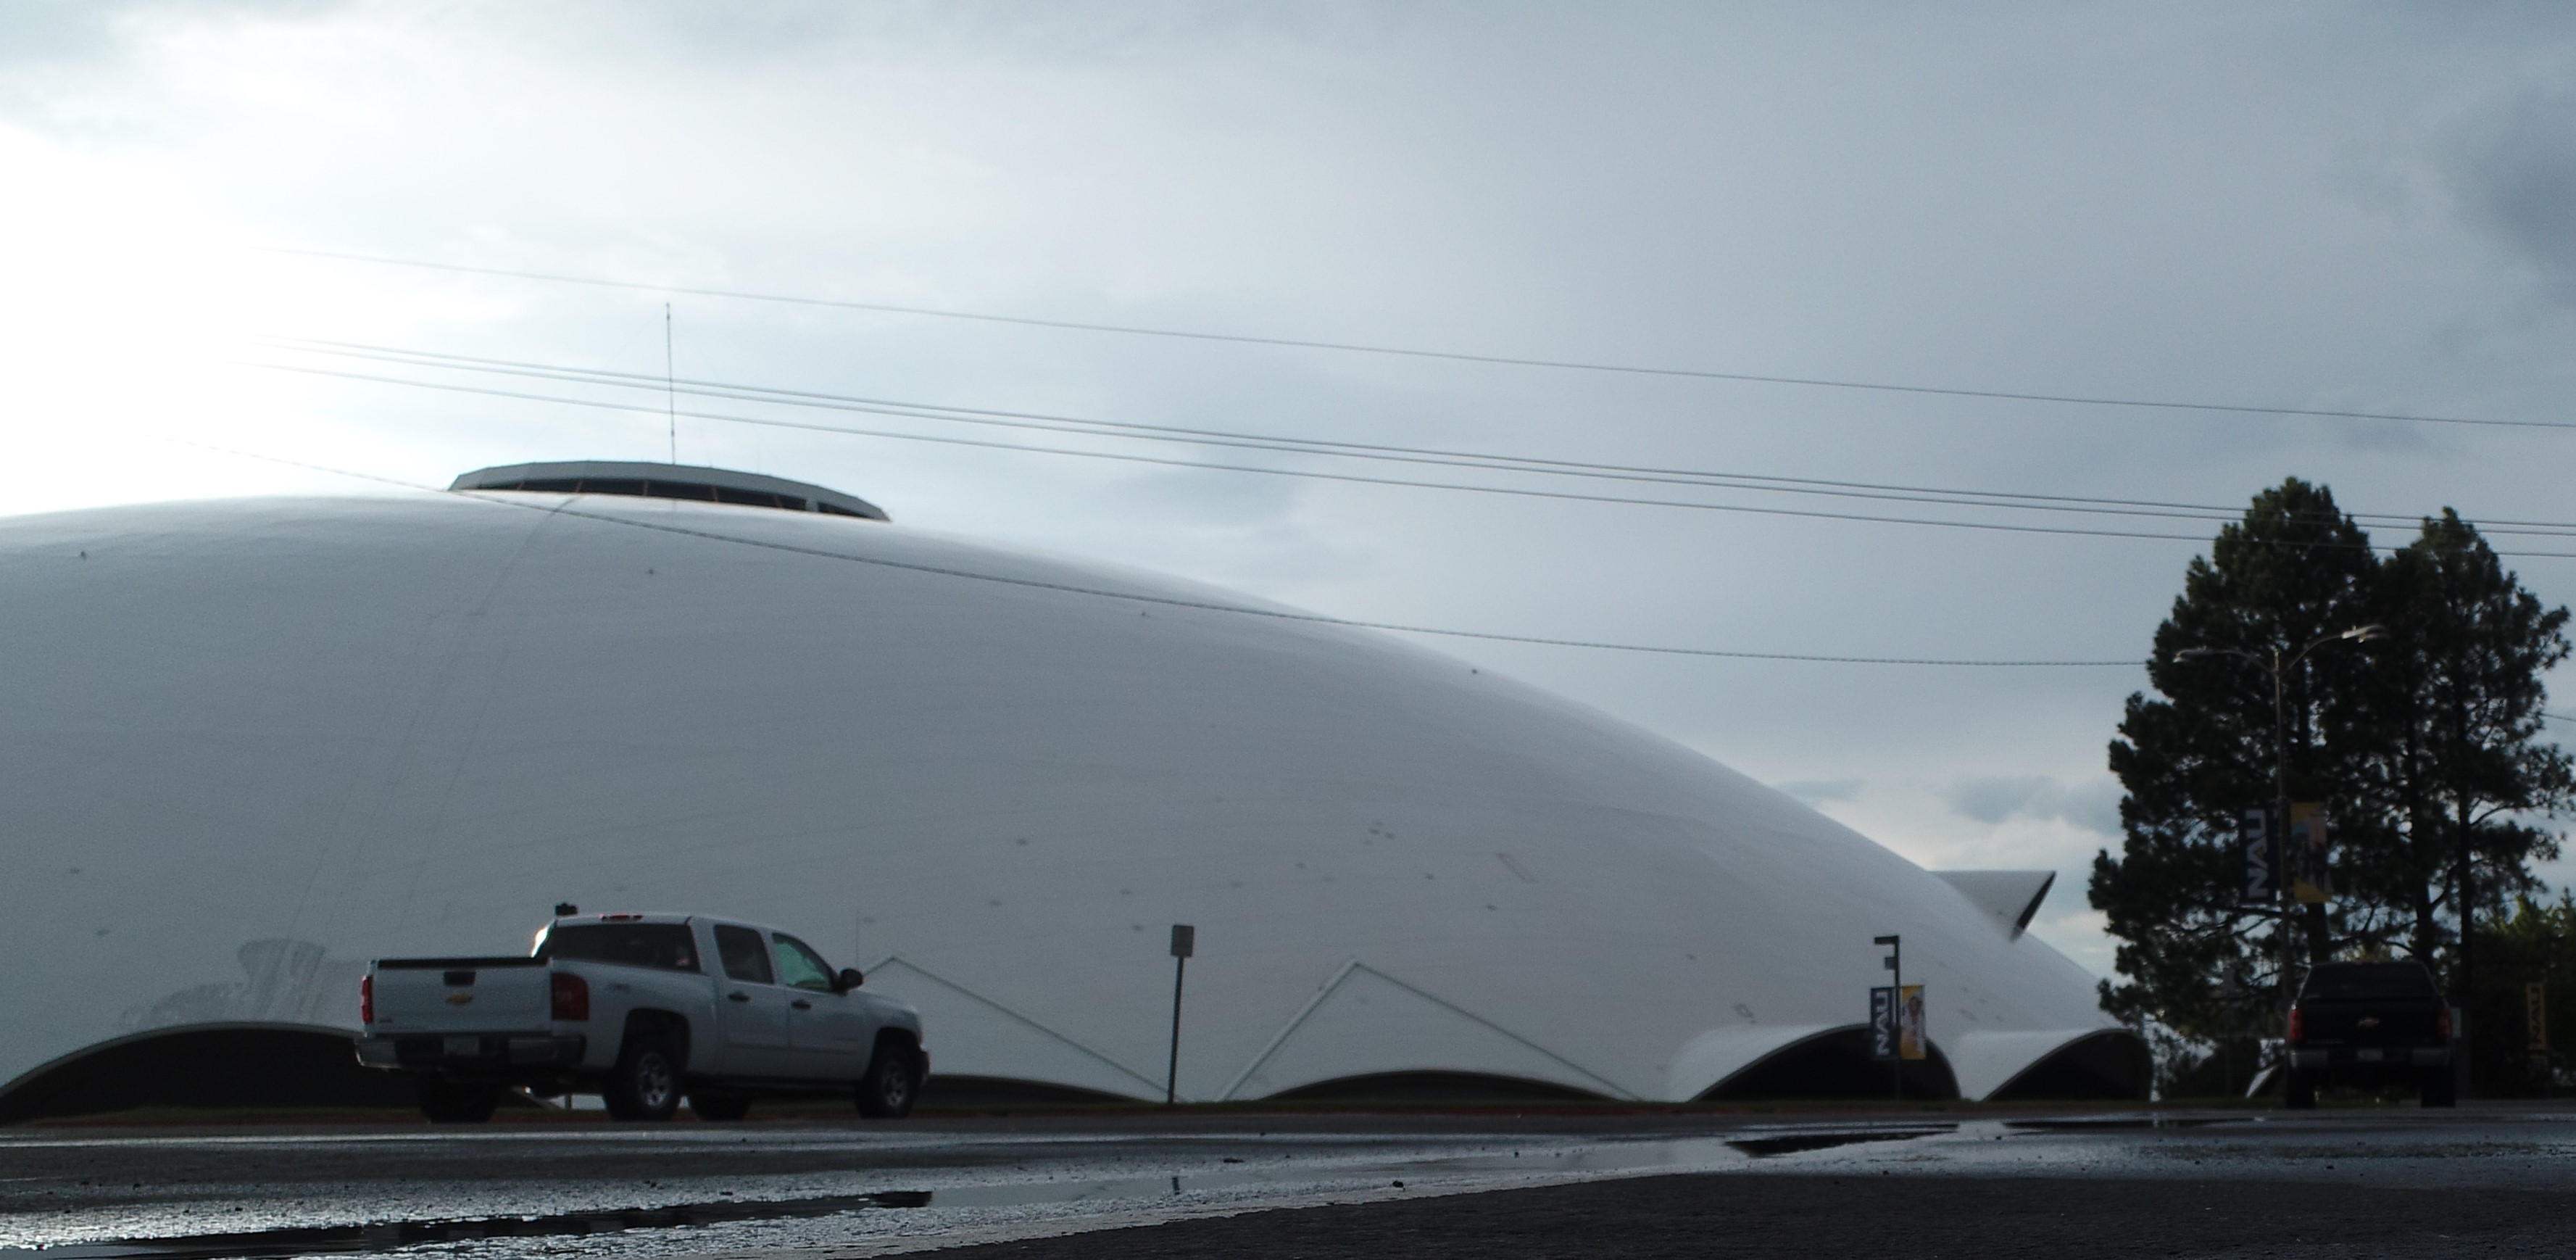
(366, 999)
(2443, 1022)
(572, 996)
(2298, 1026)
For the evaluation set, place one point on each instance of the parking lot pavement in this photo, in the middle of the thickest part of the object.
(1719, 1215)
(2332, 1183)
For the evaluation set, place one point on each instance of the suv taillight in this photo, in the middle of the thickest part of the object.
(2298, 1026)
(366, 999)
(2443, 1023)
(571, 994)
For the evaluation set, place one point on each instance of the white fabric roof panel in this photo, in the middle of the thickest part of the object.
(253, 743)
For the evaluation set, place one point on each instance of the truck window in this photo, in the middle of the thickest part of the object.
(745, 957)
(2354, 982)
(799, 966)
(662, 946)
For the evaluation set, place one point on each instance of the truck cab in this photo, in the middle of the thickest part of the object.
(643, 1009)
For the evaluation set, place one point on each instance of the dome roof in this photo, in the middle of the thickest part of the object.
(253, 743)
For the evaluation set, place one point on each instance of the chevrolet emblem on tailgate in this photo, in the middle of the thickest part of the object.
(2366, 1021)
(460, 999)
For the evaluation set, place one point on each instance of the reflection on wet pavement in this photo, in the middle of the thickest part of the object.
(837, 1193)
(2098, 1124)
(394, 1235)
(1795, 1143)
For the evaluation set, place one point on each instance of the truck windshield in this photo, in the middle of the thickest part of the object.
(799, 966)
(2348, 982)
(663, 946)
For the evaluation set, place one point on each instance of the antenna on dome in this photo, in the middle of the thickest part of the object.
(670, 385)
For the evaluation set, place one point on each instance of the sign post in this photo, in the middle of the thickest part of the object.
(1185, 941)
(1892, 1004)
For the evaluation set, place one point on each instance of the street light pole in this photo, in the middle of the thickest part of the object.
(2280, 671)
(1185, 942)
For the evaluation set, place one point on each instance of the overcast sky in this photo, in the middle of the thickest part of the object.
(2338, 207)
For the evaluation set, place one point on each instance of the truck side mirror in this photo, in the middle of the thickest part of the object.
(849, 979)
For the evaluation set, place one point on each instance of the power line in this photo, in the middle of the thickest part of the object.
(1350, 347)
(506, 499)
(1344, 449)
(1201, 465)
(1988, 499)
(1310, 474)
(1300, 445)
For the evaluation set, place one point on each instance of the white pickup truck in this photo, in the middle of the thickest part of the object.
(627, 1005)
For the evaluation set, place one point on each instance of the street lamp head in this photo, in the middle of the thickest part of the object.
(2193, 654)
(2371, 633)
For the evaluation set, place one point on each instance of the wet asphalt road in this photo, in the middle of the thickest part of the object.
(2398, 1183)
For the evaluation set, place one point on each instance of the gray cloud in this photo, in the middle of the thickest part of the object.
(1819, 791)
(2094, 806)
(2512, 170)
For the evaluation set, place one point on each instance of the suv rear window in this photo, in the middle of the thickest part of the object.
(2345, 982)
(662, 946)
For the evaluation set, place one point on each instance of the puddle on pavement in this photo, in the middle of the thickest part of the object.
(387, 1236)
(1825, 1140)
(2100, 1124)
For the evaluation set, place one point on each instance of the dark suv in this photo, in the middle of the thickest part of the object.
(2372, 1025)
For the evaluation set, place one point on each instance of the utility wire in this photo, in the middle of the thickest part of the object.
(1044, 422)
(1340, 449)
(560, 505)
(1310, 474)
(1573, 365)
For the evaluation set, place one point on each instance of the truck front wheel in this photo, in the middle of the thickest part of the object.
(891, 1085)
(457, 1102)
(645, 1084)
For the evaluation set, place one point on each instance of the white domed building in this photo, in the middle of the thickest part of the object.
(250, 744)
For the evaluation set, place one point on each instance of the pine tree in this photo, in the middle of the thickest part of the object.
(2457, 774)
(2425, 744)
(2295, 570)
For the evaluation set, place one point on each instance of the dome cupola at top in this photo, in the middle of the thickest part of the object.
(668, 481)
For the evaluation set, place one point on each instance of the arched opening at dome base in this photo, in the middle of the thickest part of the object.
(220, 1067)
(1836, 1064)
(938, 1092)
(2111, 1064)
(1433, 1087)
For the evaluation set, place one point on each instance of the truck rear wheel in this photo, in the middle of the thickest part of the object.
(891, 1085)
(720, 1106)
(456, 1102)
(645, 1084)
(2301, 1091)
(2439, 1089)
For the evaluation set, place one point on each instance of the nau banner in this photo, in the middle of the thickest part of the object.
(1909, 1032)
(2258, 848)
(2306, 853)
(1882, 1024)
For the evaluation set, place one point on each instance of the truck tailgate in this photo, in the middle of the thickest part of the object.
(2370, 1023)
(432, 995)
